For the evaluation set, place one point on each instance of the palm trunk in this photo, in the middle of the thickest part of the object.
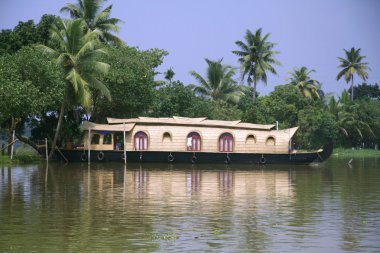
(254, 91)
(59, 124)
(352, 88)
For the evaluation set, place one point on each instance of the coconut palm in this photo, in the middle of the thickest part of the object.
(77, 51)
(95, 18)
(219, 83)
(346, 116)
(169, 74)
(300, 77)
(350, 120)
(257, 57)
(353, 64)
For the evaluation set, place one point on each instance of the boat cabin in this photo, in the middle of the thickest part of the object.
(181, 134)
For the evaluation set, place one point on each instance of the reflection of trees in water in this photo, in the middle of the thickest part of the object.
(356, 190)
(83, 209)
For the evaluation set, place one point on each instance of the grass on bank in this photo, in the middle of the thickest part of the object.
(22, 155)
(344, 152)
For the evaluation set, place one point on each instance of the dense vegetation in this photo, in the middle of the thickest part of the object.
(54, 83)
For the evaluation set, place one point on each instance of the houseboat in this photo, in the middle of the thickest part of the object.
(189, 140)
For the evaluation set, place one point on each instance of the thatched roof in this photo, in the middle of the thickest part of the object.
(190, 122)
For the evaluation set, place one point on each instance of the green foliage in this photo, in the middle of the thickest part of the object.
(224, 111)
(76, 52)
(357, 121)
(287, 105)
(89, 11)
(30, 84)
(173, 99)
(26, 155)
(359, 153)
(351, 65)
(219, 84)
(281, 105)
(257, 57)
(179, 100)
(300, 77)
(367, 91)
(369, 114)
(131, 82)
(26, 34)
(316, 127)
(169, 74)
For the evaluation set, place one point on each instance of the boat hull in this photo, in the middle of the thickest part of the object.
(194, 157)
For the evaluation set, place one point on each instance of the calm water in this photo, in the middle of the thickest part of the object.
(185, 208)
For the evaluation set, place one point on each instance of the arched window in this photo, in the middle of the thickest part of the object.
(270, 141)
(250, 140)
(194, 142)
(166, 137)
(226, 143)
(141, 141)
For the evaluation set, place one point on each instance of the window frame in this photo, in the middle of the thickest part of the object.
(143, 139)
(195, 142)
(229, 140)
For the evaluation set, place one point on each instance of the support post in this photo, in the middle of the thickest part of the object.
(124, 146)
(46, 151)
(89, 146)
(13, 141)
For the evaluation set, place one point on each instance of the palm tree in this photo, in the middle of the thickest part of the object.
(352, 64)
(219, 84)
(77, 52)
(346, 116)
(90, 12)
(256, 58)
(169, 74)
(300, 77)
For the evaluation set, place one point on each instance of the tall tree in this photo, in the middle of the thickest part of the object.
(347, 116)
(77, 51)
(300, 77)
(30, 85)
(26, 34)
(131, 80)
(352, 64)
(219, 83)
(169, 74)
(367, 91)
(95, 18)
(257, 57)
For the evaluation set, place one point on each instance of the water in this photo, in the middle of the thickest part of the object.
(186, 208)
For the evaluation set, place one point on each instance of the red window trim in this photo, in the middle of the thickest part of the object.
(142, 139)
(196, 142)
(226, 143)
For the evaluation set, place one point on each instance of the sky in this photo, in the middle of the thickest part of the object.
(307, 33)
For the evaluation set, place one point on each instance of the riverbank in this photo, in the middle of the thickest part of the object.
(22, 155)
(342, 152)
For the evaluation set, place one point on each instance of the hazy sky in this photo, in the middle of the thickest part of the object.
(307, 33)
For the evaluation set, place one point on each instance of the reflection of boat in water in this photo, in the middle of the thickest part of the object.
(160, 181)
(189, 140)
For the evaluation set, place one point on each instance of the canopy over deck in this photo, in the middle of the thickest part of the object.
(104, 127)
(191, 121)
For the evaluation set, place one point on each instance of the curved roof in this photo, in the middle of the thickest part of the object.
(190, 121)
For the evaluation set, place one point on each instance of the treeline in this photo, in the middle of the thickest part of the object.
(53, 84)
